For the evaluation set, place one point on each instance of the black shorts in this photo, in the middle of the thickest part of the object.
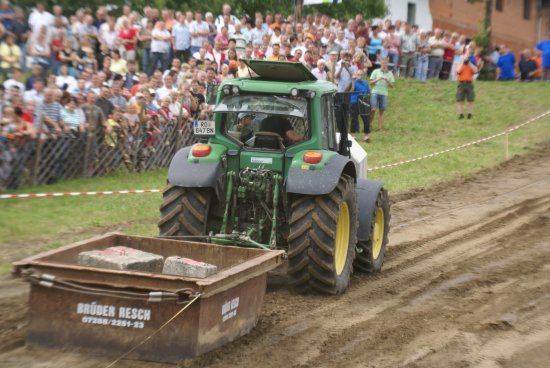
(465, 91)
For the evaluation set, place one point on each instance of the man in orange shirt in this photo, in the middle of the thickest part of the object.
(465, 89)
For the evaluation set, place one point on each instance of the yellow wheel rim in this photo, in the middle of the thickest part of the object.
(378, 233)
(341, 242)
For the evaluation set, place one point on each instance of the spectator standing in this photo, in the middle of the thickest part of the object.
(71, 116)
(160, 47)
(226, 16)
(144, 38)
(360, 87)
(527, 66)
(423, 57)
(448, 55)
(199, 33)
(128, 37)
(118, 64)
(117, 99)
(409, 45)
(506, 65)
(344, 73)
(103, 102)
(437, 50)
(544, 48)
(382, 79)
(40, 18)
(22, 31)
(95, 118)
(10, 55)
(465, 89)
(392, 43)
(181, 39)
(49, 114)
(320, 72)
(375, 47)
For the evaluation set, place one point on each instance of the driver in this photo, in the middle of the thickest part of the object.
(280, 125)
(244, 126)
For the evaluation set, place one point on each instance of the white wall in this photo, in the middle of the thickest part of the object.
(397, 9)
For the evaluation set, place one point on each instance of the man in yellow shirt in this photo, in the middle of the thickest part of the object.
(10, 54)
(275, 53)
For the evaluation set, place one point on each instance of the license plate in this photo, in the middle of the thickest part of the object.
(204, 127)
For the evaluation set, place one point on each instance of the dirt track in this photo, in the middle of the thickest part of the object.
(466, 283)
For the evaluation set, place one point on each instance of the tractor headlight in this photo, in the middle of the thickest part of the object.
(226, 90)
(310, 94)
(294, 92)
(235, 90)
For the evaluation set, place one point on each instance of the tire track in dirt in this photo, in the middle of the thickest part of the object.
(455, 288)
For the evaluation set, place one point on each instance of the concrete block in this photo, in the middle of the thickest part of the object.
(188, 267)
(122, 258)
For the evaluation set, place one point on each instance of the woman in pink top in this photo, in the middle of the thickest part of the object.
(392, 43)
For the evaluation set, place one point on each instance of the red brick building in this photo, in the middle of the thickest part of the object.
(520, 24)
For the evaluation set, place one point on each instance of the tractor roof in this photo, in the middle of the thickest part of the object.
(279, 77)
(280, 71)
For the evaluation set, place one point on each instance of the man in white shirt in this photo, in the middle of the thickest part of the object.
(36, 94)
(167, 89)
(257, 33)
(320, 72)
(65, 79)
(15, 81)
(226, 13)
(199, 33)
(160, 47)
(108, 33)
(40, 17)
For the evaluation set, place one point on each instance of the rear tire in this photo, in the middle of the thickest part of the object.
(373, 251)
(184, 211)
(322, 239)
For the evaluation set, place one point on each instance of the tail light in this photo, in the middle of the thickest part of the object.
(201, 150)
(312, 157)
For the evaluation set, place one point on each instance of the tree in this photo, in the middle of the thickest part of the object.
(347, 9)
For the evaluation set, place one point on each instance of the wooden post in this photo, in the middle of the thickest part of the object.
(506, 150)
(86, 163)
(36, 162)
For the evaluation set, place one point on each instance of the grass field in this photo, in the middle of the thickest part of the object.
(421, 118)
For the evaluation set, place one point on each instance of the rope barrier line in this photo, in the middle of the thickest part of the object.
(76, 194)
(477, 141)
(375, 168)
(153, 333)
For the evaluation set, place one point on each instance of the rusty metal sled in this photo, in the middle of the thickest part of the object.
(109, 312)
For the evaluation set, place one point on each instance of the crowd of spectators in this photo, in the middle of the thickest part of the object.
(111, 72)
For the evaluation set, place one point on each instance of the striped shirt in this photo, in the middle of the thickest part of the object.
(51, 110)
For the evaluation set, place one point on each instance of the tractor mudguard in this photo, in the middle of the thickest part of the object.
(367, 192)
(320, 181)
(185, 173)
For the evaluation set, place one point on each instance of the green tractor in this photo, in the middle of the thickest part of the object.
(276, 169)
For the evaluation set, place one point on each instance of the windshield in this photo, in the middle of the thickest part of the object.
(264, 122)
(264, 104)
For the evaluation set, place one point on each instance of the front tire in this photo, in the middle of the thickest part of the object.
(322, 239)
(373, 250)
(184, 211)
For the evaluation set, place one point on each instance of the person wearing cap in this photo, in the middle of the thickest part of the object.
(344, 72)
(244, 126)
